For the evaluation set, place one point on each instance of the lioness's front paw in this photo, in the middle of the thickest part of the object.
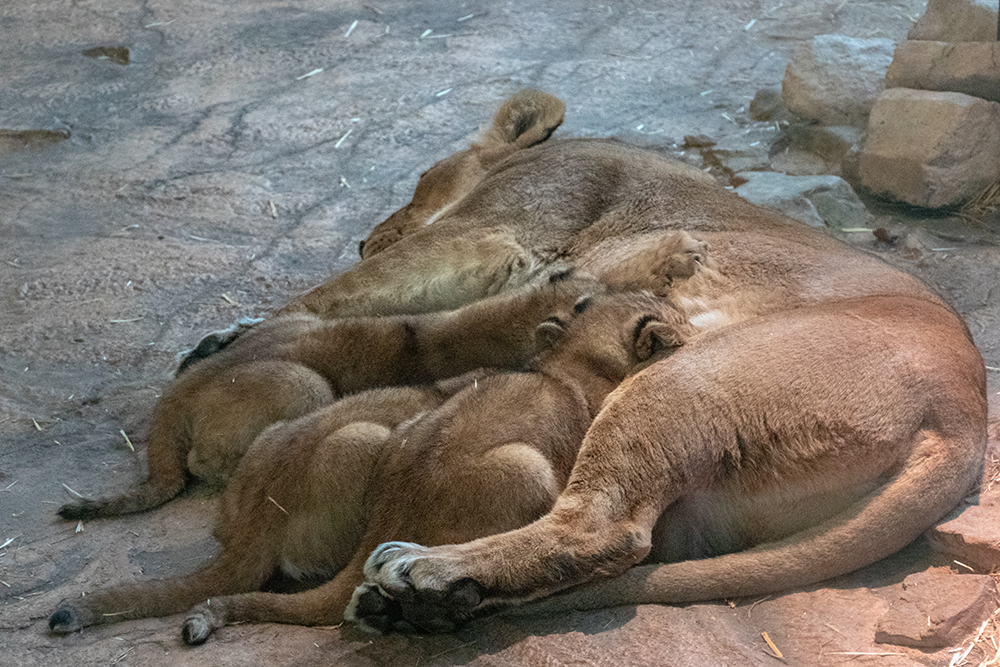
(213, 343)
(373, 611)
(411, 587)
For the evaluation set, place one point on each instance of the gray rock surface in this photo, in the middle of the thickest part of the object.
(972, 68)
(837, 78)
(816, 200)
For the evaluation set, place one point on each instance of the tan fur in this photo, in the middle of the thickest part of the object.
(869, 463)
(526, 119)
(836, 437)
(478, 455)
(832, 409)
(291, 365)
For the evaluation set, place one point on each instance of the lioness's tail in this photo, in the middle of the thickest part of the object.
(166, 455)
(938, 475)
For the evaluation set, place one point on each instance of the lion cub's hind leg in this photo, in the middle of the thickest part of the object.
(235, 407)
(296, 504)
(206, 420)
(308, 493)
(304, 486)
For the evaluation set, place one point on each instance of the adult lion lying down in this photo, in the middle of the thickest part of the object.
(828, 410)
(833, 409)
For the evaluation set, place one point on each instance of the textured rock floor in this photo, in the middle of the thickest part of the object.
(153, 223)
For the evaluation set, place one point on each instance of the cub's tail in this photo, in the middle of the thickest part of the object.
(166, 454)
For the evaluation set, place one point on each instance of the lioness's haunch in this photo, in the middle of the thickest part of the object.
(315, 495)
(291, 365)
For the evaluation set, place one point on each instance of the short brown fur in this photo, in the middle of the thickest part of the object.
(293, 364)
(880, 429)
(596, 204)
(480, 454)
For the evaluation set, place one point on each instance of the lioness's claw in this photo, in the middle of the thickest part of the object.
(389, 567)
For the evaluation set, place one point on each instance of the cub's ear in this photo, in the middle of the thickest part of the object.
(548, 333)
(655, 336)
(528, 118)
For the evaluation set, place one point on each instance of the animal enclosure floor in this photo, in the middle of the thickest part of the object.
(236, 160)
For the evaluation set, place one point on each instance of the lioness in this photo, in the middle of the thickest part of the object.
(315, 495)
(835, 412)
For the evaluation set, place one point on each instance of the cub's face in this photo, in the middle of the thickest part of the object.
(617, 333)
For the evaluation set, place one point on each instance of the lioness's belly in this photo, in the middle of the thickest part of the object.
(718, 521)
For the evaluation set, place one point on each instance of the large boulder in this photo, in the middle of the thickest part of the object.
(837, 79)
(957, 21)
(931, 149)
(972, 68)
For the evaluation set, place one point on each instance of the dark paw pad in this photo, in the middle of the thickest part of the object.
(78, 510)
(464, 594)
(376, 612)
(213, 343)
(195, 630)
(63, 621)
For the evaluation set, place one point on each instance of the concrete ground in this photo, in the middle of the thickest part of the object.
(236, 160)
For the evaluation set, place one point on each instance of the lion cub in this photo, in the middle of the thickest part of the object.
(291, 365)
(314, 496)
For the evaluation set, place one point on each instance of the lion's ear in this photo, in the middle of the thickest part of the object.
(526, 119)
(656, 336)
(548, 333)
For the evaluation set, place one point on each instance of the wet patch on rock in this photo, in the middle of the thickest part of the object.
(15, 141)
(116, 54)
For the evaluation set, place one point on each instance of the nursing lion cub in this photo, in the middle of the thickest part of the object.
(291, 365)
(479, 455)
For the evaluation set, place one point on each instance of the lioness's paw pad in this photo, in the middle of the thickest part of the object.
(372, 610)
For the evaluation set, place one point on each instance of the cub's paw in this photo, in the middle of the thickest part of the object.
(68, 618)
(199, 625)
(410, 587)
